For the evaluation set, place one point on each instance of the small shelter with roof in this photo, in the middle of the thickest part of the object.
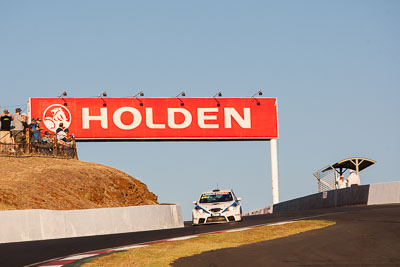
(328, 175)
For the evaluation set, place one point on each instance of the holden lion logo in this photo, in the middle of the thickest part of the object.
(56, 114)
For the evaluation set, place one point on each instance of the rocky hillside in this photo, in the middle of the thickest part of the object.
(61, 184)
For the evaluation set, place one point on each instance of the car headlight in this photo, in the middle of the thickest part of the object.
(231, 208)
(200, 210)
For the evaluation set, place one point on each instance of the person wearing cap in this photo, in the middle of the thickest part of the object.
(18, 130)
(47, 143)
(39, 129)
(46, 138)
(353, 179)
(5, 134)
(341, 182)
(37, 136)
(32, 129)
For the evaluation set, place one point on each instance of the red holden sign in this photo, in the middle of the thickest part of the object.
(102, 119)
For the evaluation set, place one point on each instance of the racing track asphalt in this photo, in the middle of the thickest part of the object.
(34, 252)
(368, 236)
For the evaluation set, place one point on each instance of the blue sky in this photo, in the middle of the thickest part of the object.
(333, 65)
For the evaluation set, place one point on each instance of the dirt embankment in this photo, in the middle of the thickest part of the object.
(60, 184)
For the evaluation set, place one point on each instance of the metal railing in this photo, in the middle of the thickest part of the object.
(22, 144)
(326, 179)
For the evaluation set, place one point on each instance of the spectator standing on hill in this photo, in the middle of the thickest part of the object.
(32, 129)
(37, 134)
(5, 134)
(25, 124)
(353, 179)
(17, 132)
(26, 131)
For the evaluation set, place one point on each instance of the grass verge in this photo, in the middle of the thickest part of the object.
(164, 254)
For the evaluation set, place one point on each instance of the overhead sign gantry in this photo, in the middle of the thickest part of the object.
(164, 119)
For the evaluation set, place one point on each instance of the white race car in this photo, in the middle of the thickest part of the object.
(217, 206)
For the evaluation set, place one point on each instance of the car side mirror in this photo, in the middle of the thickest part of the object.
(239, 199)
(194, 202)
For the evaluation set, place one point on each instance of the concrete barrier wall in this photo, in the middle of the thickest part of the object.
(333, 198)
(384, 193)
(28, 225)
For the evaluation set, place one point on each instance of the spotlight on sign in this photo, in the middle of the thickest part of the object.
(137, 97)
(180, 94)
(62, 94)
(104, 94)
(219, 94)
(253, 96)
(139, 94)
(258, 93)
(62, 97)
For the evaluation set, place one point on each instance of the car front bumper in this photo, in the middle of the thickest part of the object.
(206, 218)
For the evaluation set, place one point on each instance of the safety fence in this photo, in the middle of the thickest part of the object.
(25, 143)
(326, 178)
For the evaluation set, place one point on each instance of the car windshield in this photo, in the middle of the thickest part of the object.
(216, 197)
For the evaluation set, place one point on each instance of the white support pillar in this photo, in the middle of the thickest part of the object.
(274, 171)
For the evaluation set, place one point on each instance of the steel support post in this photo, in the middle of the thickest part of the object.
(357, 166)
(274, 171)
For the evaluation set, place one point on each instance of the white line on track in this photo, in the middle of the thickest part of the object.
(131, 247)
(183, 238)
(79, 257)
(237, 230)
(279, 223)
